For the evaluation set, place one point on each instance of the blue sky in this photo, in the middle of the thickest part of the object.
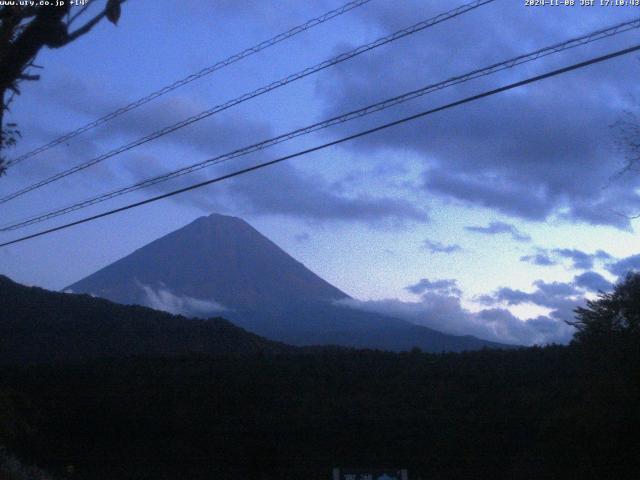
(494, 219)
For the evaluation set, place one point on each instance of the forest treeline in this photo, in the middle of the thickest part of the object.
(554, 412)
(558, 412)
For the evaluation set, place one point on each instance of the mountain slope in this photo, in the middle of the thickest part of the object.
(220, 265)
(217, 258)
(37, 325)
(327, 324)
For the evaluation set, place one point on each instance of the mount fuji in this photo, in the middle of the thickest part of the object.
(221, 266)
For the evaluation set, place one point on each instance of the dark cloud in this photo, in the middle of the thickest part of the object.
(285, 190)
(281, 190)
(559, 297)
(495, 228)
(507, 295)
(625, 265)
(593, 281)
(309, 196)
(580, 260)
(446, 314)
(556, 289)
(523, 154)
(538, 152)
(444, 287)
(215, 135)
(440, 308)
(278, 190)
(537, 297)
(481, 189)
(439, 247)
(541, 258)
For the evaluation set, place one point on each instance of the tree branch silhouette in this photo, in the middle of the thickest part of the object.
(24, 31)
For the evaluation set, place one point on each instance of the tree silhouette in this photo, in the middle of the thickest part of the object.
(24, 31)
(612, 317)
(628, 127)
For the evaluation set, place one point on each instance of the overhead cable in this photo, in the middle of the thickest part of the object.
(403, 120)
(387, 103)
(255, 93)
(190, 78)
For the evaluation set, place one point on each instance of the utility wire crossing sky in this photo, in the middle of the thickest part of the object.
(194, 76)
(337, 142)
(512, 62)
(255, 93)
(495, 220)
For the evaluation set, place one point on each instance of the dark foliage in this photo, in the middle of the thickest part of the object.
(26, 28)
(266, 290)
(538, 413)
(613, 318)
(37, 325)
(554, 412)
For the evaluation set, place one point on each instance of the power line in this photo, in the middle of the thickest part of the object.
(260, 91)
(387, 103)
(335, 142)
(195, 76)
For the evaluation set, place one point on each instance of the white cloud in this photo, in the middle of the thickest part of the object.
(163, 299)
(445, 314)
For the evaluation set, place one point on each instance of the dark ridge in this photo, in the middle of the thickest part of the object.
(225, 260)
(37, 325)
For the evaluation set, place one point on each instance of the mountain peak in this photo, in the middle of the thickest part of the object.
(216, 216)
(217, 258)
(219, 264)
(219, 217)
